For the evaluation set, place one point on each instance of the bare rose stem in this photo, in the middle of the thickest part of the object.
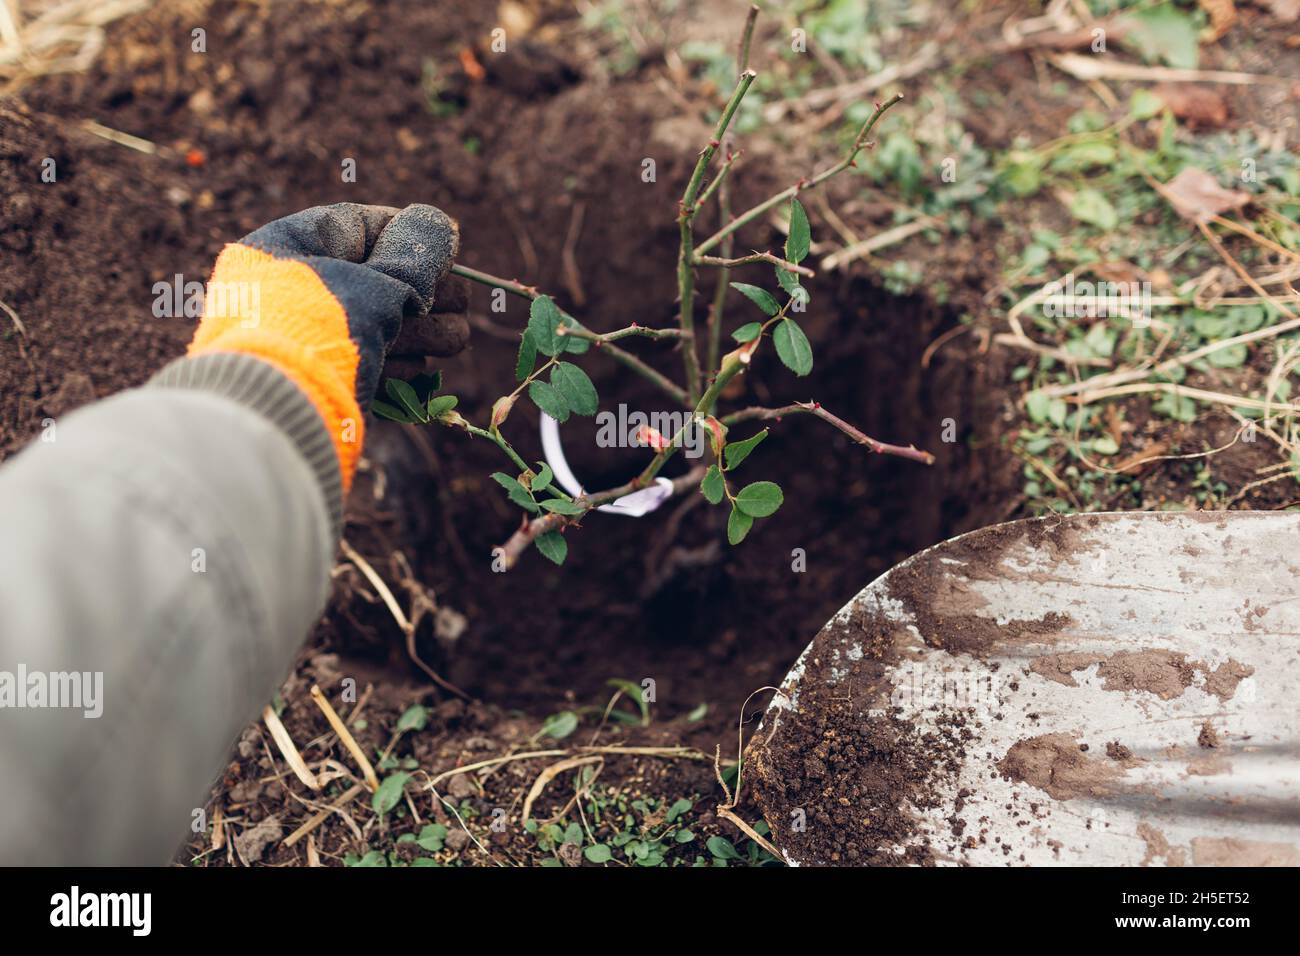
(685, 217)
(718, 307)
(859, 144)
(632, 330)
(723, 189)
(813, 408)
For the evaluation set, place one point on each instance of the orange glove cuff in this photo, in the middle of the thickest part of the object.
(280, 311)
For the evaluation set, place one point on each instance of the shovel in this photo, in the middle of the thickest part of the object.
(1102, 689)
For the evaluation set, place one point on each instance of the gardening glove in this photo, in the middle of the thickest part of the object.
(325, 294)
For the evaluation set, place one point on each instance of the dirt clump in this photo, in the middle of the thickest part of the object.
(1223, 680)
(1162, 673)
(1059, 766)
(1165, 673)
(945, 615)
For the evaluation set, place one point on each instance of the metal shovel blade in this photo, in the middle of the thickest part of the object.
(1119, 689)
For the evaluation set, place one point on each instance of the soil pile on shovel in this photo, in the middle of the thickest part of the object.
(850, 768)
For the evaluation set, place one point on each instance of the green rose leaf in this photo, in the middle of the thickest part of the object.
(790, 283)
(549, 399)
(543, 319)
(748, 332)
(406, 398)
(441, 404)
(516, 492)
(712, 486)
(760, 499)
(792, 347)
(800, 237)
(527, 356)
(575, 387)
(553, 546)
(392, 413)
(544, 476)
(738, 451)
(760, 297)
(561, 507)
(738, 525)
(573, 344)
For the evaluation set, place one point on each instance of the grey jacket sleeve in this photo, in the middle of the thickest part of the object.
(163, 554)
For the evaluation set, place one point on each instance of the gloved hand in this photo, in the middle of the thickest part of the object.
(325, 294)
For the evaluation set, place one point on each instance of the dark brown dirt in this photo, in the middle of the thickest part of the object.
(847, 772)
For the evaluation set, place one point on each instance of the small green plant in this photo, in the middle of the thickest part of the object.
(619, 829)
(546, 374)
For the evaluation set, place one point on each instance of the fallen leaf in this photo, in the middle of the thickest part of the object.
(1196, 195)
(1199, 105)
(1222, 14)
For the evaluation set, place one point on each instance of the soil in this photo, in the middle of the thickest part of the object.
(541, 165)
(1164, 673)
(850, 771)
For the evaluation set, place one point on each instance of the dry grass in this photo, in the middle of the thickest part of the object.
(39, 37)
